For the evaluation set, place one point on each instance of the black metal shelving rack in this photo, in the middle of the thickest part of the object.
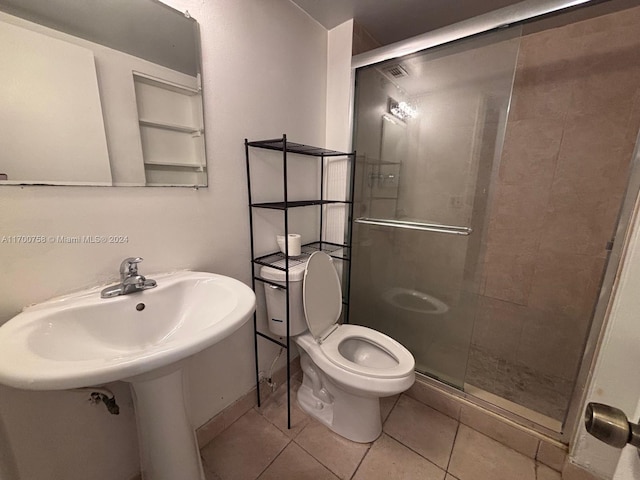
(283, 262)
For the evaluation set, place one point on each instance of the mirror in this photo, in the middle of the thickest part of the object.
(96, 92)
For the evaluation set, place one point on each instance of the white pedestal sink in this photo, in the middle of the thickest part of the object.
(82, 340)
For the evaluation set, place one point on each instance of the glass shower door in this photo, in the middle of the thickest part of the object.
(429, 131)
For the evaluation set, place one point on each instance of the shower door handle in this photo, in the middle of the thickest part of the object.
(427, 227)
(611, 426)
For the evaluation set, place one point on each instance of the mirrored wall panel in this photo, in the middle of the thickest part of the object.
(100, 93)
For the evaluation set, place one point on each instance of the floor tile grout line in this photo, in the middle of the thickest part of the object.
(274, 458)
(363, 457)
(416, 452)
(453, 445)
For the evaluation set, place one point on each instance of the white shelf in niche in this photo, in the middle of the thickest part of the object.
(176, 164)
(171, 129)
(172, 126)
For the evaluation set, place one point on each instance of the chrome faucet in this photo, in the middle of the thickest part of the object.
(130, 280)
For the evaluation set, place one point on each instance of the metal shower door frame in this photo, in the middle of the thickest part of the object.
(513, 15)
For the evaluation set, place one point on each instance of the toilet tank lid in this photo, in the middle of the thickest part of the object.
(296, 272)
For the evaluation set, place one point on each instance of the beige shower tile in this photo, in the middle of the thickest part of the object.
(557, 355)
(552, 47)
(508, 276)
(593, 95)
(434, 398)
(594, 156)
(499, 430)
(338, 454)
(565, 284)
(579, 223)
(423, 429)
(244, 449)
(297, 464)
(478, 457)
(516, 218)
(498, 326)
(544, 76)
(530, 152)
(620, 18)
(389, 459)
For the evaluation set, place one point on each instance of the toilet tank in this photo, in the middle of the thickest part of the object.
(277, 300)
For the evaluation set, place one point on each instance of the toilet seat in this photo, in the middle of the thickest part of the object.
(403, 361)
(379, 356)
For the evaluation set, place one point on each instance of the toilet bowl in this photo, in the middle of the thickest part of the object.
(346, 368)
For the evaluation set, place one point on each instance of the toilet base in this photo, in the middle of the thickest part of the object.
(353, 417)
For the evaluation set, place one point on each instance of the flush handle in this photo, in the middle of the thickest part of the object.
(611, 426)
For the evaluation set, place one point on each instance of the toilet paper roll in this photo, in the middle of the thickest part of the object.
(294, 241)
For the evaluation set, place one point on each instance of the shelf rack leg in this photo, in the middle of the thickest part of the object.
(253, 277)
(286, 261)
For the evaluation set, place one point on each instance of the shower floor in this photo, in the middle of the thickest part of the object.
(518, 384)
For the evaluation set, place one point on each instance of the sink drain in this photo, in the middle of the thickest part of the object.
(140, 307)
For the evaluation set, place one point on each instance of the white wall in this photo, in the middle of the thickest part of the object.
(615, 377)
(265, 65)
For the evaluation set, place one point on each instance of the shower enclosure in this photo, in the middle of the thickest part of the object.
(490, 176)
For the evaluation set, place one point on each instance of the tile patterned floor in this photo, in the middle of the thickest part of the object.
(417, 442)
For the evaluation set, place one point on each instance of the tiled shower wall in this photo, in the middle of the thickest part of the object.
(571, 131)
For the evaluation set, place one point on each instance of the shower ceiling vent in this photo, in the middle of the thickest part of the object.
(396, 71)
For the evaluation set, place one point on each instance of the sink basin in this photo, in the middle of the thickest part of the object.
(82, 340)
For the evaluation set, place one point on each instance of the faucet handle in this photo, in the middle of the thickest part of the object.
(129, 266)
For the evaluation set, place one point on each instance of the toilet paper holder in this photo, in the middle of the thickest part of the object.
(611, 426)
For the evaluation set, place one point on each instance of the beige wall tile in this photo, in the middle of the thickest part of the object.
(498, 326)
(552, 455)
(554, 47)
(499, 430)
(516, 218)
(544, 80)
(508, 276)
(210, 430)
(389, 459)
(557, 355)
(238, 408)
(423, 429)
(477, 457)
(530, 151)
(579, 223)
(434, 398)
(565, 284)
(594, 155)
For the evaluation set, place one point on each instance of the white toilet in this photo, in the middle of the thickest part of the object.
(347, 368)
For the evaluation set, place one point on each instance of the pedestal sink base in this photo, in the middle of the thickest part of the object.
(167, 441)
